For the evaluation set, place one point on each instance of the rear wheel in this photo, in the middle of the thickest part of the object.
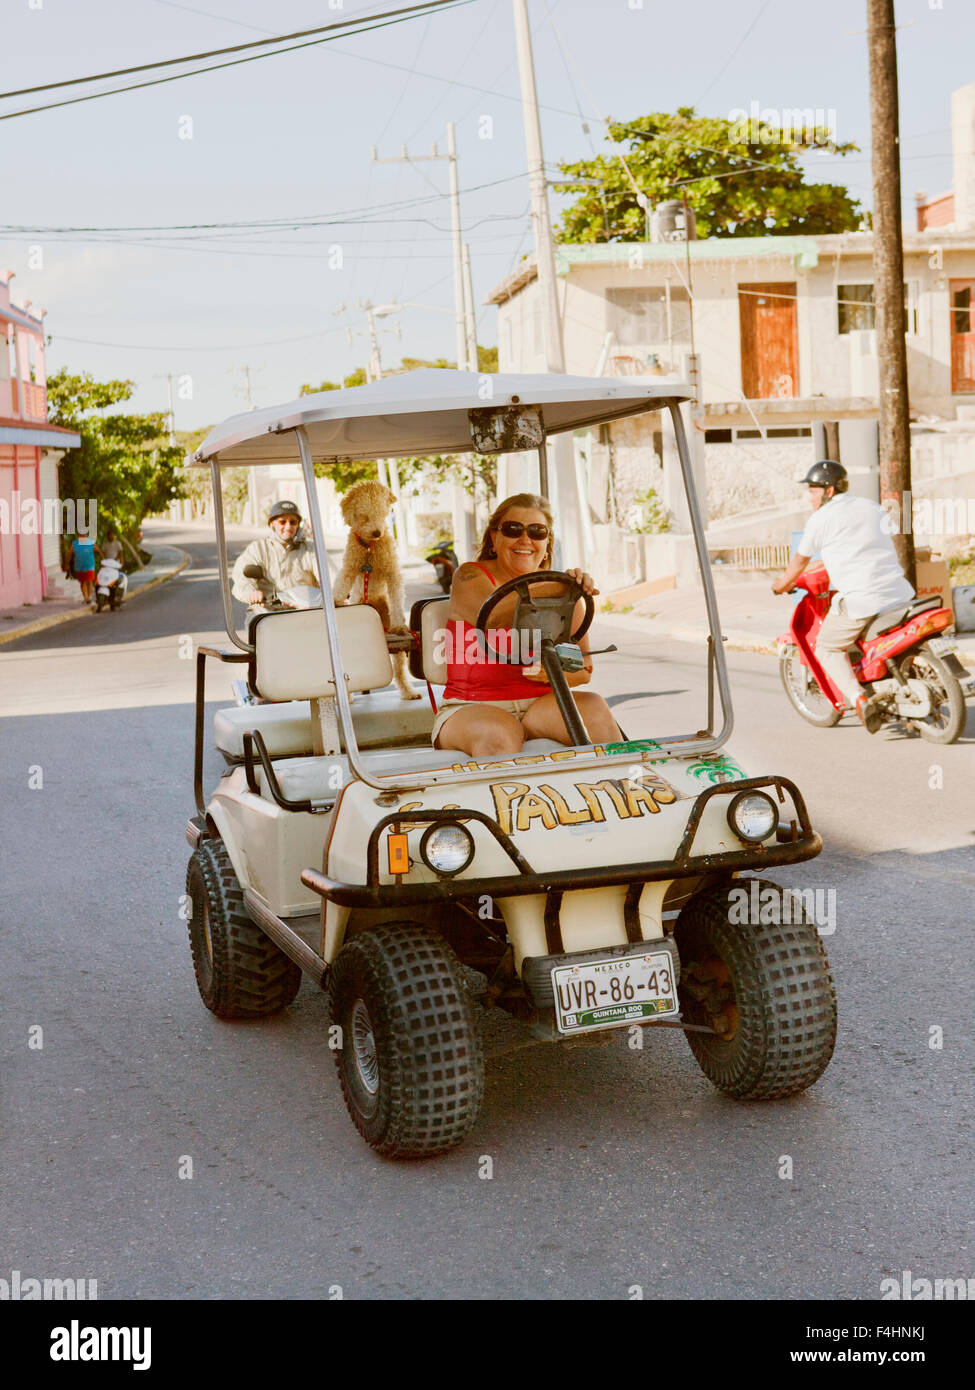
(804, 693)
(410, 1059)
(240, 972)
(764, 985)
(947, 717)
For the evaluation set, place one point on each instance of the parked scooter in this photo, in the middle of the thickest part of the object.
(444, 560)
(110, 585)
(900, 658)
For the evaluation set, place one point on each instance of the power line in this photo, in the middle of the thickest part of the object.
(220, 52)
(215, 67)
(297, 223)
(732, 54)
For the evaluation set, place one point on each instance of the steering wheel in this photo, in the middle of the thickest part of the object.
(549, 614)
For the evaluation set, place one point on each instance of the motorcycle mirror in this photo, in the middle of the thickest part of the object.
(253, 571)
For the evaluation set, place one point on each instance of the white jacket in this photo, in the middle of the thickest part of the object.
(283, 565)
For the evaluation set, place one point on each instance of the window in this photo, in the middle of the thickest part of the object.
(639, 316)
(961, 309)
(855, 307)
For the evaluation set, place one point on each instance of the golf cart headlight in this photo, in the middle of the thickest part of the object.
(447, 849)
(753, 816)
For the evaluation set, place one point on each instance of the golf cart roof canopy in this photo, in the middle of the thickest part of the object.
(429, 412)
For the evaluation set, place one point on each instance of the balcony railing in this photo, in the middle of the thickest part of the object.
(35, 400)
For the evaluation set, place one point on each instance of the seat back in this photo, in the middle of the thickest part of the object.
(428, 619)
(291, 661)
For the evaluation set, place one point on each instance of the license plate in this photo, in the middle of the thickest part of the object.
(610, 993)
(941, 646)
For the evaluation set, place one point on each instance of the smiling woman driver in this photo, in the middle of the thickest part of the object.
(491, 708)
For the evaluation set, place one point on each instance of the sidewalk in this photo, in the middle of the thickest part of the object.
(752, 617)
(167, 561)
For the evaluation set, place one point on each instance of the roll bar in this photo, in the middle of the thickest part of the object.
(703, 742)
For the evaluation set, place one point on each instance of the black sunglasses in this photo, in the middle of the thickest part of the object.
(513, 529)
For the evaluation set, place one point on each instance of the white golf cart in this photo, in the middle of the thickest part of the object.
(594, 886)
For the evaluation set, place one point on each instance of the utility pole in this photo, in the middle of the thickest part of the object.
(451, 156)
(470, 321)
(172, 410)
(387, 469)
(463, 517)
(563, 475)
(888, 275)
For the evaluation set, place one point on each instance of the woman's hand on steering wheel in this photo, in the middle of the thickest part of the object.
(584, 580)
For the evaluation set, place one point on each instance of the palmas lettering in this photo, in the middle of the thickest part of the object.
(518, 806)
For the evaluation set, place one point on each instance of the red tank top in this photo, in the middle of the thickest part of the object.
(474, 675)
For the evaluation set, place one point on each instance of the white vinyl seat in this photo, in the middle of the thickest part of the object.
(381, 718)
(291, 667)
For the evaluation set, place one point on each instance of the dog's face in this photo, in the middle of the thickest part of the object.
(365, 508)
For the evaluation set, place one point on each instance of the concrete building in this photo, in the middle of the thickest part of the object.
(30, 513)
(783, 332)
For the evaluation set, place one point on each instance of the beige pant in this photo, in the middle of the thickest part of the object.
(838, 632)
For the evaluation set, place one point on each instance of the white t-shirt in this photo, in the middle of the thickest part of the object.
(858, 554)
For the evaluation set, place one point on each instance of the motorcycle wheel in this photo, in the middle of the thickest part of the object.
(947, 718)
(804, 694)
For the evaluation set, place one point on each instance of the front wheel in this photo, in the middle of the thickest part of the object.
(240, 972)
(947, 717)
(410, 1058)
(804, 693)
(753, 968)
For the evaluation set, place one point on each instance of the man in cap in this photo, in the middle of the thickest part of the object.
(852, 534)
(287, 557)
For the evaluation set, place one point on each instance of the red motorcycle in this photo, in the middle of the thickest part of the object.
(900, 658)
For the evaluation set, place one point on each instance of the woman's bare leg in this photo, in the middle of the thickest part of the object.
(543, 719)
(482, 733)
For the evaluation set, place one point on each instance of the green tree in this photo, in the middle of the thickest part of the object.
(123, 462)
(740, 179)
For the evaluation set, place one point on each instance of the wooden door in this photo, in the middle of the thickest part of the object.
(769, 340)
(962, 336)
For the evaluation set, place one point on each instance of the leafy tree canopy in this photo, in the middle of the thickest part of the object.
(123, 461)
(741, 178)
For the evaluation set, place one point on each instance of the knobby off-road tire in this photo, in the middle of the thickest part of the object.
(239, 971)
(411, 1062)
(806, 699)
(769, 989)
(947, 719)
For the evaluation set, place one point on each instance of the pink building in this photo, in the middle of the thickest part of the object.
(30, 449)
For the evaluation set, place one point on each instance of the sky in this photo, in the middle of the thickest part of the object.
(289, 138)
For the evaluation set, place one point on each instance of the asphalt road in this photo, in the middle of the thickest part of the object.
(611, 1168)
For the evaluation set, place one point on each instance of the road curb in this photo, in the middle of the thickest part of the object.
(56, 618)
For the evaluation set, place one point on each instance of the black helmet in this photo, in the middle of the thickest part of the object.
(284, 508)
(827, 473)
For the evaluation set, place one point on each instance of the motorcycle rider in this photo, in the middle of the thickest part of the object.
(852, 535)
(287, 557)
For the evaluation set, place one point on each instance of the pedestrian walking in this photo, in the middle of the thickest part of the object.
(83, 552)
